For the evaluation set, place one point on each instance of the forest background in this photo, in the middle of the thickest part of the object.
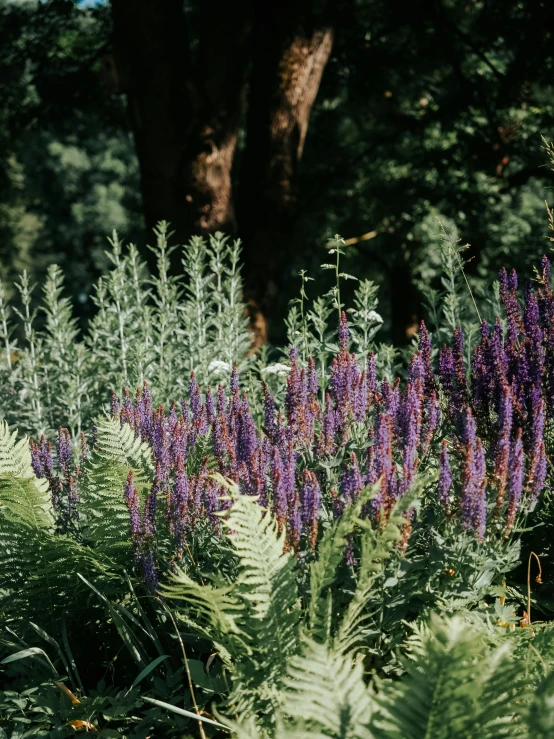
(283, 123)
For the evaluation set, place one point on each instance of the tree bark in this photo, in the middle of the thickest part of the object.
(291, 50)
(185, 112)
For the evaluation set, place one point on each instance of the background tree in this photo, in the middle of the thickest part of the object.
(431, 110)
(194, 75)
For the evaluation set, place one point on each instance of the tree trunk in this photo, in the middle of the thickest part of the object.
(185, 113)
(291, 50)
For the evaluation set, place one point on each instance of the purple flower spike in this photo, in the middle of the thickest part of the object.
(210, 409)
(351, 481)
(152, 502)
(36, 459)
(474, 480)
(269, 411)
(447, 373)
(180, 514)
(221, 400)
(470, 428)
(195, 397)
(515, 484)
(114, 406)
(344, 333)
(247, 441)
(371, 374)
(505, 417)
(84, 448)
(295, 522)
(63, 449)
(508, 295)
(310, 496)
(445, 478)
(313, 380)
(150, 574)
(132, 501)
(432, 420)
(234, 379)
(329, 427)
(360, 399)
(531, 311)
(539, 474)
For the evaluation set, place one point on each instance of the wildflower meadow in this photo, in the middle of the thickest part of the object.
(336, 538)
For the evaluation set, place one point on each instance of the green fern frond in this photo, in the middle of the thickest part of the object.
(540, 714)
(215, 612)
(456, 686)
(326, 694)
(377, 544)
(37, 566)
(330, 553)
(24, 500)
(105, 514)
(256, 618)
(267, 583)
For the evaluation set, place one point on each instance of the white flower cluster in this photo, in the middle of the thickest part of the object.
(281, 370)
(218, 368)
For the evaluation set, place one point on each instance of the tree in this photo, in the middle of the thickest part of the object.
(193, 76)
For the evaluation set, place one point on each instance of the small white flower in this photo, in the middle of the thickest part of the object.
(374, 316)
(219, 368)
(281, 370)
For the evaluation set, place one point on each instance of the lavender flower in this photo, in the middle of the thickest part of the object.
(515, 485)
(445, 477)
(114, 406)
(310, 495)
(473, 504)
(425, 350)
(195, 398)
(150, 574)
(344, 333)
(539, 474)
(279, 484)
(179, 514)
(234, 380)
(63, 449)
(351, 481)
(132, 501)
(503, 445)
(313, 380)
(371, 374)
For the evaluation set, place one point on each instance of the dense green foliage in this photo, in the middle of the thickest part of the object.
(157, 327)
(434, 110)
(334, 536)
(409, 623)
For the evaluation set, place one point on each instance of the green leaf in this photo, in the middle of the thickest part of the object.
(147, 670)
(183, 712)
(30, 652)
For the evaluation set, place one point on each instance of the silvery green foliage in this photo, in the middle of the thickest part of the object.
(312, 328)
(148, 327)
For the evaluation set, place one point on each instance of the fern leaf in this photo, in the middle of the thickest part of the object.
(330, 554)
(326, 694)
(105, 514)
(215, 612)
(37, 566)
(24, 500)
(376, 548)
(455, 687)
